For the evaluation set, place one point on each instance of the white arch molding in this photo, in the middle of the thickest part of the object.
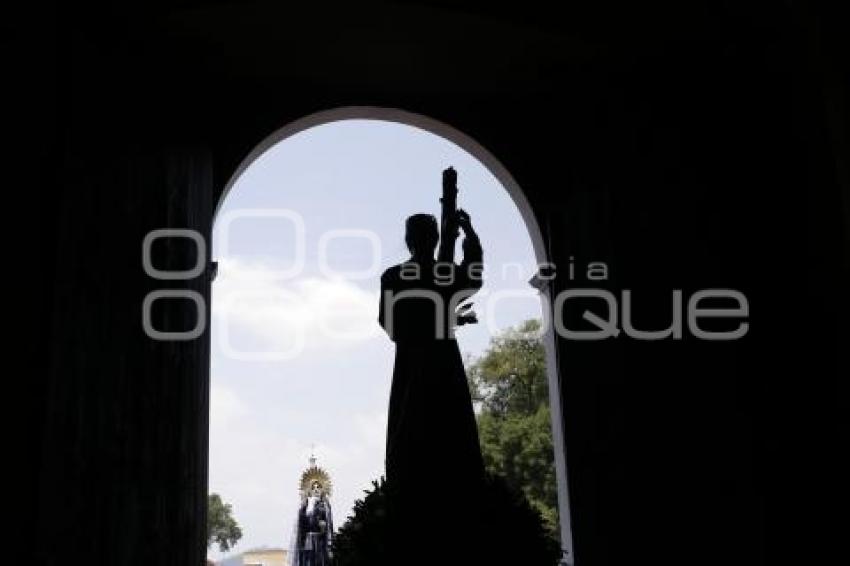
(540, 251)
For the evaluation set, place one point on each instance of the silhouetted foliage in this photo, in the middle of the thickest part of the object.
(362, 539)
(511, 531)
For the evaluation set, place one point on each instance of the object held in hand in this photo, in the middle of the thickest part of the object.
(448, 216)
(465, 315)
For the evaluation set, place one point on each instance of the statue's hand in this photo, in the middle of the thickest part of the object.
(463, 220)
(470, 318)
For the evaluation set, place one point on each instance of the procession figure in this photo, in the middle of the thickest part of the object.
(432, 444)
(313, 536)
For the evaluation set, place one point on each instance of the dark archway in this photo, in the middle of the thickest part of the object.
(687, 147)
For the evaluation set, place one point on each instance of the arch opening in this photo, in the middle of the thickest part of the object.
(502, 178)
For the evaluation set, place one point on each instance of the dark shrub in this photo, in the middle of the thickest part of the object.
(504, 529)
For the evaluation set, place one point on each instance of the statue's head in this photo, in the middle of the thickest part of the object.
(316, 488)
(422, 233)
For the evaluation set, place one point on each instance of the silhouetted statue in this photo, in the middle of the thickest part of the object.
(432, 449)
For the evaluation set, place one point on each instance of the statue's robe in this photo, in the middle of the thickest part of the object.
(312, 542)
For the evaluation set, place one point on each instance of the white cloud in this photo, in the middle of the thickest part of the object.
(225, 408)
(289, 316)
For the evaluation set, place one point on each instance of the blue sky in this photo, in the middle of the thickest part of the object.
(299, 362)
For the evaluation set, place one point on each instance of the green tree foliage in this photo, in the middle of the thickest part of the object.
(222, 528)
(509, 384)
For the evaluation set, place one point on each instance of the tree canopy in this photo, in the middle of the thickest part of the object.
(509, 385)
(222, 528)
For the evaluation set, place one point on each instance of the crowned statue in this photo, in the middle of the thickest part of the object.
(312, 538)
